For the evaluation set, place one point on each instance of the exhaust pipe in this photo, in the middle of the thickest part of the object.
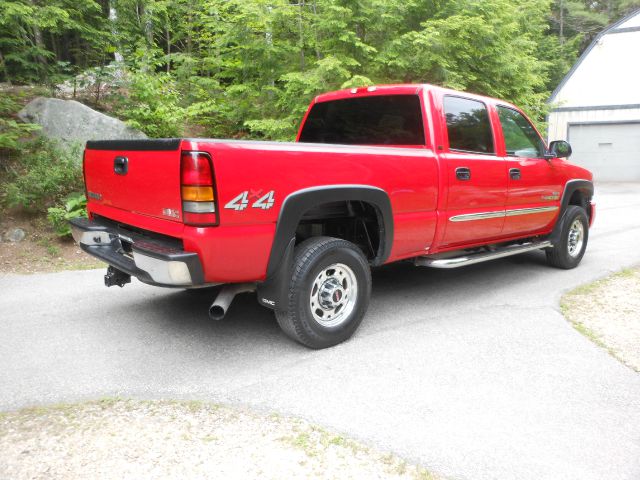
(220, 305)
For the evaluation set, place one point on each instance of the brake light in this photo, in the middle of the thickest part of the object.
(198, 189)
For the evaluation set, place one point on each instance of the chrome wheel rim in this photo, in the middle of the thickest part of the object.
(333, 296)
(576, 238)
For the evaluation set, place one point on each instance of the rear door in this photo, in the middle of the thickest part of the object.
(534, 183)
(476, 175)
(137, 176)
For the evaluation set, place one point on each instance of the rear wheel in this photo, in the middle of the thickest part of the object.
(328, 293)
(574, 235)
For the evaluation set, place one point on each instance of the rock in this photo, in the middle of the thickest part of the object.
(73, 122)
(14, 235)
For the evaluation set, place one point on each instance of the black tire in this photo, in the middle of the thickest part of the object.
(561, 255)
(312, 263)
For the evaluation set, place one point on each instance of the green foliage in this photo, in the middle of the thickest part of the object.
(45, 174)
(477, 45)
(153, 105)
(12, 130)
(42, 40)
(74, 206)
(238, 68)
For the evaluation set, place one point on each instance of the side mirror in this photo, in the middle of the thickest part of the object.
(558, 149)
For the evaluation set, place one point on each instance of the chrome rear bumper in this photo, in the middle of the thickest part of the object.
(151, 260)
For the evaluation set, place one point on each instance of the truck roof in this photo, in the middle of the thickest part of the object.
(401, 89)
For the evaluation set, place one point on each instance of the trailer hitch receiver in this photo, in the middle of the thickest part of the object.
(116, 277)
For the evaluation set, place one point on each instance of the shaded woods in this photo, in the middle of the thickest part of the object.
(237, 68)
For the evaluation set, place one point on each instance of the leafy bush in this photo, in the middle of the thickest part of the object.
(153, 105)
(75, 206)
(45, 174)
(11, 131)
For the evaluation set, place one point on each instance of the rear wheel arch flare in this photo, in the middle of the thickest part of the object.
(298, 203)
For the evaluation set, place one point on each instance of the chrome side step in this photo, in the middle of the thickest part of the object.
(470, 259)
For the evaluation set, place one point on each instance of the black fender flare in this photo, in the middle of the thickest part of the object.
(585, 186)
(272, 292)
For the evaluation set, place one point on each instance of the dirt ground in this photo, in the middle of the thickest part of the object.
(41, 250)
(608, 312)
(116, 439)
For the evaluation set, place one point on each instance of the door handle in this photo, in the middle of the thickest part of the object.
(514, 173)
(463, 173)
(121, 165)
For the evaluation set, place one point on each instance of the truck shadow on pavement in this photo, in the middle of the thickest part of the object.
(398, 290)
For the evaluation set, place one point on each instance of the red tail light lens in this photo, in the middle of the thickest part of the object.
(196, 169)
(198, 189)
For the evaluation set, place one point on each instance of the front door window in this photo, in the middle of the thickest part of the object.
(520, 138)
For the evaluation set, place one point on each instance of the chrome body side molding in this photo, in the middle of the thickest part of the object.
(468, 217)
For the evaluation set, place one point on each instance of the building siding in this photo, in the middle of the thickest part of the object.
(559, 121)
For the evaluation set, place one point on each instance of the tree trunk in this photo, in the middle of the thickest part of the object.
(3, 69)
(561, 22)
(315, 30)
(301, 31)
(39, 43)
(167, 31)
(113, 18)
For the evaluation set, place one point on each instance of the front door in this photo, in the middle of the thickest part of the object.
(476, 175)
(534, 183)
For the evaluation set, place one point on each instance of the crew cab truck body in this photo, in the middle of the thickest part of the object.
(377, 175)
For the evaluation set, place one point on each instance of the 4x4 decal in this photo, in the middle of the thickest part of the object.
(241, 202)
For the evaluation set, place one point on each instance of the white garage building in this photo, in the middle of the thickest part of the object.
(597, 105)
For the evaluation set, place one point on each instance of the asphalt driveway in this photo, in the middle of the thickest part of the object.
(471, 372)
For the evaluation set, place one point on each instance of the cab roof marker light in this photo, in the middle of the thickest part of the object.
(371, 89)
(354, 90)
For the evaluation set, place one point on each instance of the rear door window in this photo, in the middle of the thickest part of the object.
(468, 125)
(374, 120)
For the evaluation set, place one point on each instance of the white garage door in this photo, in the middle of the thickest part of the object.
(610, 150)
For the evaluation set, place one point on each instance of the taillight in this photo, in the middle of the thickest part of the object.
(198, 189)
(84, 179)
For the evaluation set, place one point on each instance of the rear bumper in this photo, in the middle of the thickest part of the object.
(152, 261)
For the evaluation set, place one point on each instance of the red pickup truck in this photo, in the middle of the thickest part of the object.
(378, 174)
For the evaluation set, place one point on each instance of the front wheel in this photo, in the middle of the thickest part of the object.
(328, 293)
(574, 235)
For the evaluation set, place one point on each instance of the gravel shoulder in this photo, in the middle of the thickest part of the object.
(41, 250)
(608, 312)
(115, 439)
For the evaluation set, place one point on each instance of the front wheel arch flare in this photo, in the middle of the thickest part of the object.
(586, 188)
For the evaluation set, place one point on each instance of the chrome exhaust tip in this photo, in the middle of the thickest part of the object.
(220, 305)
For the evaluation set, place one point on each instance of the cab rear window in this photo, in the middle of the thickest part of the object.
(375, 120)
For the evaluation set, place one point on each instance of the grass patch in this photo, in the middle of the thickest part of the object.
(607, 312)
(115, 429)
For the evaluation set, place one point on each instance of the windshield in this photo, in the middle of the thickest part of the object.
(374, 120)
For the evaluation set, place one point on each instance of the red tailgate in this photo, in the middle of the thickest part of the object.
(142, 180)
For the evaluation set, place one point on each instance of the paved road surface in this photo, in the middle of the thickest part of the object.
(472, 372)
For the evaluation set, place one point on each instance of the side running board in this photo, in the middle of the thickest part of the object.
(470, 259)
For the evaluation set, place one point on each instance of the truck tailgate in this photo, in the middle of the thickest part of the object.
(141, 176)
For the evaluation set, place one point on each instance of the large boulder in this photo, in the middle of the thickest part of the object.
(72, 122)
